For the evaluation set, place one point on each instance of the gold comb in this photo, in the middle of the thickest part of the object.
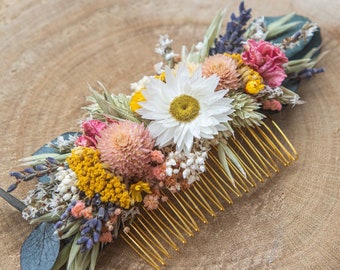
(153, 166)
(262, 150)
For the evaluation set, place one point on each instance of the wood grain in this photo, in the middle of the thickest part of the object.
(50, 50)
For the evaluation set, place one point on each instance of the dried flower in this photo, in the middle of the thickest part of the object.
(137, 189)
(126, 148)
(182, 109)
(151, 201)
(225, 68)
(267, 60)
(92, 129)
(94, 179)
(105, 237)
(77, 209)
(272, 104)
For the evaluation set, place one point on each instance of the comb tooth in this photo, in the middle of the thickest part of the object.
(256, 168)
(214, 173)
(147, 243)
(291, 157)
(171, 228)
(200, 200)
(193, 208)
(127, 237)
(269, 147)
(222, 192)
(258, 154)
(182, 225)
(162, 233)
(157, 243)
(209, 193)
(188, 218)
(219, 173)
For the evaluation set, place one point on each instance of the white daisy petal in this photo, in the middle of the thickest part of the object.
(184, 108)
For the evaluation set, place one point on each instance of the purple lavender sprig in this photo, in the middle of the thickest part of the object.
(37, 171)
(231, 41)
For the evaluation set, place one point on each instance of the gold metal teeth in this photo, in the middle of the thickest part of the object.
(260, 150)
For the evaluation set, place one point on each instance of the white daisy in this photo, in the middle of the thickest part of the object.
(184, 108)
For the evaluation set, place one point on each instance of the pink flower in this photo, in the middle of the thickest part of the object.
(151, 202)
(225, 68)
(159, 172)
(126, 147)
(105, 237)
(87, 212)
(92, 129)
(267, 60)
(157, 156)
(76, 211)
(272, 104)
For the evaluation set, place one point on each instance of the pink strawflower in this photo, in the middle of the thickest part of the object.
(267, 60)
(158, 172)
(225, 68)
(87, 212)
(272, 104)
(105, 237)
(92, 129)
(157, 156)
(151, 202)
(126, 147)
(77, 209)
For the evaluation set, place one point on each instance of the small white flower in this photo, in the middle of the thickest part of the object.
(67, 197)
(168, 171)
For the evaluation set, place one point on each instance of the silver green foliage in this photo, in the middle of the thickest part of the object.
(116, 107)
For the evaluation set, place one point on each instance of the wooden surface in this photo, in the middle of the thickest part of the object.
(50, 50)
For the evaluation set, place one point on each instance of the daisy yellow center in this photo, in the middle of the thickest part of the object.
(184, 108)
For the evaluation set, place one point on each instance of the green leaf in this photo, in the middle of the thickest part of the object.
(94, 255)
(73, 228)
(49, 217)
(223, 159)
(296, 23)
(73, 252)
(62, 257)
(40, 250)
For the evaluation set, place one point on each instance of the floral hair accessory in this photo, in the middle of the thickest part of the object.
(150, 166)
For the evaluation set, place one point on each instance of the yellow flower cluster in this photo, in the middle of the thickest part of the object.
(252, 80)
(93, 178)
(135, 99)
(137, 189)
(138, 95)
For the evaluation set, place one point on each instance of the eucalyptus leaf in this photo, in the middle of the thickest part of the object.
(304, 45)
(40, 250)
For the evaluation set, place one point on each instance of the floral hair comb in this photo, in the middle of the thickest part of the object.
(150, 167)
